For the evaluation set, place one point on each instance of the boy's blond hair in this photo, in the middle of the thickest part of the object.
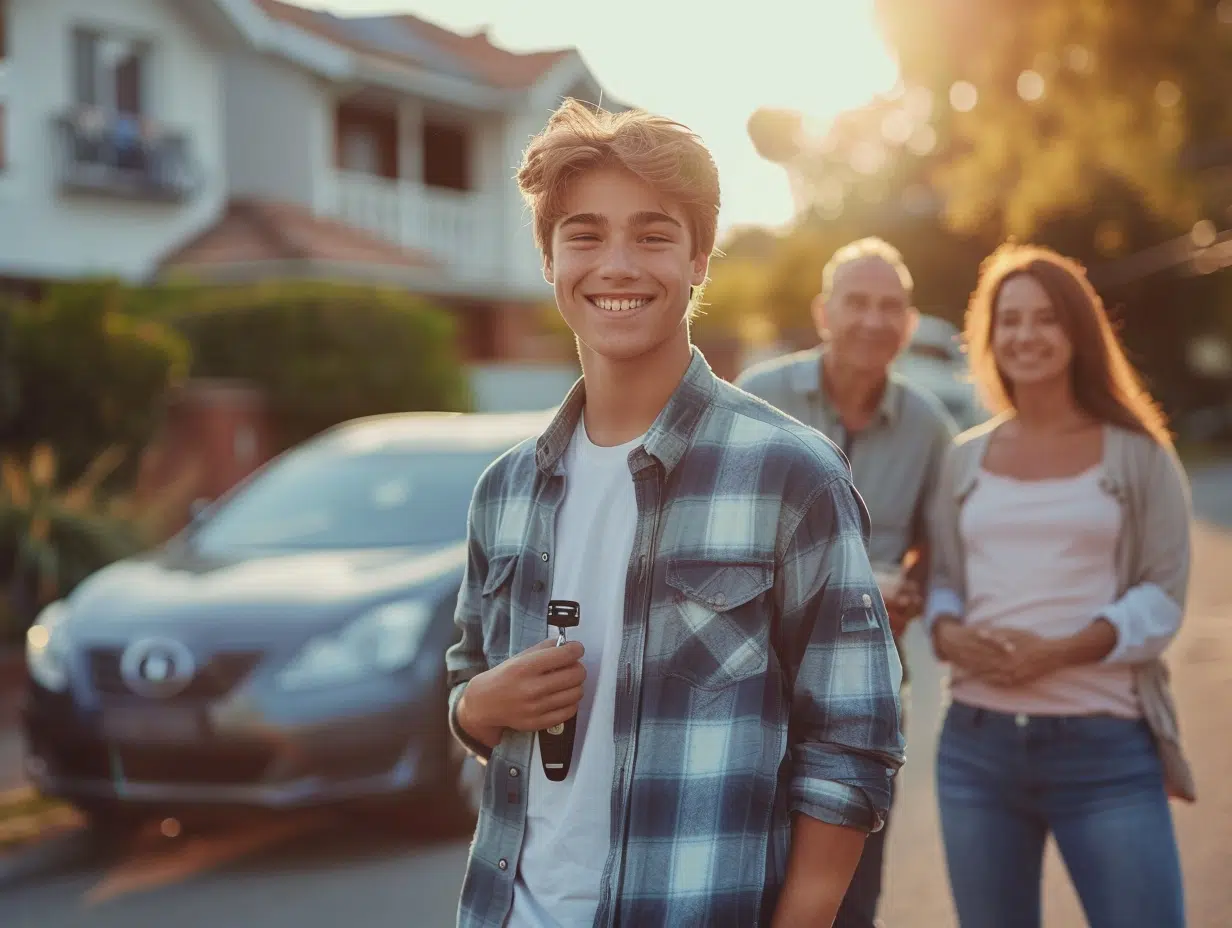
(660, 151)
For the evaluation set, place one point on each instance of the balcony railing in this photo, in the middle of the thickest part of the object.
(457, 228)
(119, 156)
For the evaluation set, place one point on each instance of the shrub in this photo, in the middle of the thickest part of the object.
(324, 354)
(53, 537)
(88, 375)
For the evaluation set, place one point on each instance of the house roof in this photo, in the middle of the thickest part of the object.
(408, 40)
(253, 232)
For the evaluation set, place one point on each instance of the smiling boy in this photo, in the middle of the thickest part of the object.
(733, 675)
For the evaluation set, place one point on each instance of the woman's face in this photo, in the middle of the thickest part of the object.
(1028, 340)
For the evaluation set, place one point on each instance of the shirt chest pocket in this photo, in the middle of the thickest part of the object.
(720, 621)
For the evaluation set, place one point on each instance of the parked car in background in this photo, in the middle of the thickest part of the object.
(286, 649)
(935, 361)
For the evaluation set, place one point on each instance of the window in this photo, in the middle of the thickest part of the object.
(367, 140)
(110, 72)
(335, 497)
(446, 156)
(360, 151)
(932, 352)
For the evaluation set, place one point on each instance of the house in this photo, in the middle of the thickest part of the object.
(111, 133)
(235, 140)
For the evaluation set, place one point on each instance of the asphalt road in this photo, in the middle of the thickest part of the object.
(305, 872)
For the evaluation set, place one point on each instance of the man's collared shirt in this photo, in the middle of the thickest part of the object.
(895, 461)
(758, 676)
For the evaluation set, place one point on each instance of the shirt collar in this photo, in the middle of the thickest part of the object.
(806, 379)
(669, 436)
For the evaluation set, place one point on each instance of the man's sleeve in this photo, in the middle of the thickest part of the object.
(465, 658)
(838, 651)
(761, 383)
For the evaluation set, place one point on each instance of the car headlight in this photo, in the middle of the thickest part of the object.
(46, 645)
(381, 640)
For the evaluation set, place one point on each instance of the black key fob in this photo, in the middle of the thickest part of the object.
(556, 743)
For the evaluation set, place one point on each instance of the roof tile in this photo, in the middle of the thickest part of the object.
(254, 230)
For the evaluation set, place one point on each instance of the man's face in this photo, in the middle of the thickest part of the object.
(869, 315)
(622, 263)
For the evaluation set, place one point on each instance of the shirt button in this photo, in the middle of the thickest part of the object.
(513, 771)
(538, 586)
(719, 599)
(1021, 719)
(868, 600)
(544, 557)
(503, 864)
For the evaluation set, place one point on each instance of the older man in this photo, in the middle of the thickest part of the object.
(893, 434)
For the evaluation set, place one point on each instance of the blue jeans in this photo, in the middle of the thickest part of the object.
(1006, 782)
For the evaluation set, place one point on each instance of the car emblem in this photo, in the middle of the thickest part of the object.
(157, 667)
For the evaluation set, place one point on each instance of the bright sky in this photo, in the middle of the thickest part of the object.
(706, 69)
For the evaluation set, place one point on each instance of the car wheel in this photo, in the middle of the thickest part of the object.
(450, 810)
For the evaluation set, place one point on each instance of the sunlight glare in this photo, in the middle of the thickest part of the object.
(707, 68)
(963, 96)
(1030, 86)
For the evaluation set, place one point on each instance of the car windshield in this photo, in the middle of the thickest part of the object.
(339, 497)
(931, 352)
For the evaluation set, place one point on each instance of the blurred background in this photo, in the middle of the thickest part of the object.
(228, 226)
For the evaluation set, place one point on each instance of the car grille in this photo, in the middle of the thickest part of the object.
(85, 760)
(213, 765)
(224, 672)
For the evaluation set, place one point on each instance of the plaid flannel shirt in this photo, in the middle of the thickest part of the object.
(758, 673)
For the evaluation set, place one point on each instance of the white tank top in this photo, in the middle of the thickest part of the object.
(1041, 557)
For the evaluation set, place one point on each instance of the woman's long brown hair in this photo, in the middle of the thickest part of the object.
(1105, 385)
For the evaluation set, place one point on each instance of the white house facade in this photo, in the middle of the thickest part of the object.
(139, 123)
(111, 142)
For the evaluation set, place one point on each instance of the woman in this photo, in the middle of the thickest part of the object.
(1060, 567)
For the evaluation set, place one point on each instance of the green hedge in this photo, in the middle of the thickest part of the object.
(87, 374)
(324, 354)
(89, 364)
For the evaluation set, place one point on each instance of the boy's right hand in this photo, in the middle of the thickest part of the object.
(531, 691)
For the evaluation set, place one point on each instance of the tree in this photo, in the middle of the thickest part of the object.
(1021, 113)
(1066, 94)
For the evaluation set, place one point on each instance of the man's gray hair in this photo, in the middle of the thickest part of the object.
(871, 247)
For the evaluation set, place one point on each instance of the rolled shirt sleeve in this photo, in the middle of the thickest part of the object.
(844, 733)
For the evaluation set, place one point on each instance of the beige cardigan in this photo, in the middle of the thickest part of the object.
(1152, 556)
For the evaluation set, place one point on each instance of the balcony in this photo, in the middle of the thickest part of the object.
(122, 156)
(458, 228)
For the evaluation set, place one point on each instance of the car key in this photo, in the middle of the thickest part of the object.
(556, 743)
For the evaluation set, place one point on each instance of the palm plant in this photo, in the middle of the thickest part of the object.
(52, 538)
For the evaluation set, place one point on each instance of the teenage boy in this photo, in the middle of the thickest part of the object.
(733, 676)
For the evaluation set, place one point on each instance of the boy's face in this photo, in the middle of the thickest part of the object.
(621, 263)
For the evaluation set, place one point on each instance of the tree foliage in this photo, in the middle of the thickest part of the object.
(1019, 114)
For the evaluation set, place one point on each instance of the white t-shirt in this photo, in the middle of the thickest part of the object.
(568, 824)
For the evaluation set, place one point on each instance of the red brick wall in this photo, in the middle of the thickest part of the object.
(214, 434)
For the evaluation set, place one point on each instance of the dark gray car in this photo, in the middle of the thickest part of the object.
(286, 649)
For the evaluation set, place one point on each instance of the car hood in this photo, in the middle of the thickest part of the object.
(305, 588)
